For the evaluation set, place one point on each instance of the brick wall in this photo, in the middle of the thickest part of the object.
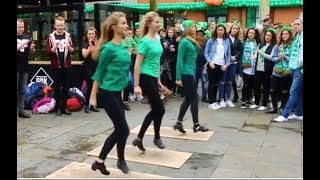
(197, 16)
(238, 13)
(286, 15)
(165, 1)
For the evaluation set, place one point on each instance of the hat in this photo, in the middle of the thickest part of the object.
(221, 24)
(286, 28)
(273, 30)
(201, 26)
(137, 25)
(187, 23)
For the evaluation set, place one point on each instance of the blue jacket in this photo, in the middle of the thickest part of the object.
(211, 48)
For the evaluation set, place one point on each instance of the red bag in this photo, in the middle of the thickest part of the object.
(73, 104)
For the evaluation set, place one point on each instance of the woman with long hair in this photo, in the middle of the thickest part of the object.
(217, 54)
(186, 69)
(111, 77)
(90, 65)
(228, 76)
(264, 68)
(147, 76)
(281, 79)
(251, 41)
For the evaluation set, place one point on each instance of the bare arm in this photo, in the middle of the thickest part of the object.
(93, 96)
(85, 52)
(139, 59)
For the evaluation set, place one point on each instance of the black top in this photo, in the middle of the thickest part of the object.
(88, 62)
(61, 40)
(23, 53)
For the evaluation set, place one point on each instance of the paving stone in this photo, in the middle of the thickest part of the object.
(237, 162)
(230, 173)
(280, 156)
(273, 170)
(250, 152)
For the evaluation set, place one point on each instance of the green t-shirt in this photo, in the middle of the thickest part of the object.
(113, 66)
(187, 56)
(151, 51)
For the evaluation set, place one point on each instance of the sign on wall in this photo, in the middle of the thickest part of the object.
(42, 76)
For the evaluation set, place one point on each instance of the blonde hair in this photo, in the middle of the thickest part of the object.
(148, 18)
(59, 18)
(186, 32)
(107, 32)
(240, 33)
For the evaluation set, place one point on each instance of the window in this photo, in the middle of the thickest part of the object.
(40, 25)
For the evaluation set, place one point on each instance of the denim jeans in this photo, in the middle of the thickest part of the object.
(203, 77)
(226, 82)
(296, 94)
(22, 79)
(131, 81)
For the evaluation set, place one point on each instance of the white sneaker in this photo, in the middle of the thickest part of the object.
(223, 104)
(279, 105)
(295, 117)
(280, 119)
(132, 97)
(262, 108)
(270, 105)
(139, 98)
(253, 106)
(218, 106)
(214, 106)
(229, 103)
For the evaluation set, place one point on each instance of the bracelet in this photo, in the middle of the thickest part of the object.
(93, 96)
(135, 85)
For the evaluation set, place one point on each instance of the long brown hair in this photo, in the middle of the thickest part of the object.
(288, 42)
(107, 32)
(85, 38)
(148, 18)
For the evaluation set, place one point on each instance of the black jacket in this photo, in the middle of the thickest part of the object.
(268, 65)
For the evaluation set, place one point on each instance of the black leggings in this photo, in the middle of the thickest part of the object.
(280, 85)
(149, 85)
(112, 104)
(190, 85)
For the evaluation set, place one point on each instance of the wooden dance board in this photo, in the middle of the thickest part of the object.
(83, 170)
(161, 157)
(169, 132)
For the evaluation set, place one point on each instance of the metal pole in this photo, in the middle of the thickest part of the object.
(264, 9)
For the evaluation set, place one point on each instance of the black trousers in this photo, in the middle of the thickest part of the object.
(262, 78)
(191, 98)
(61, 85)
(87, 76)
(214, 76)
(112, 104)
(247, 88)
(149, 85)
